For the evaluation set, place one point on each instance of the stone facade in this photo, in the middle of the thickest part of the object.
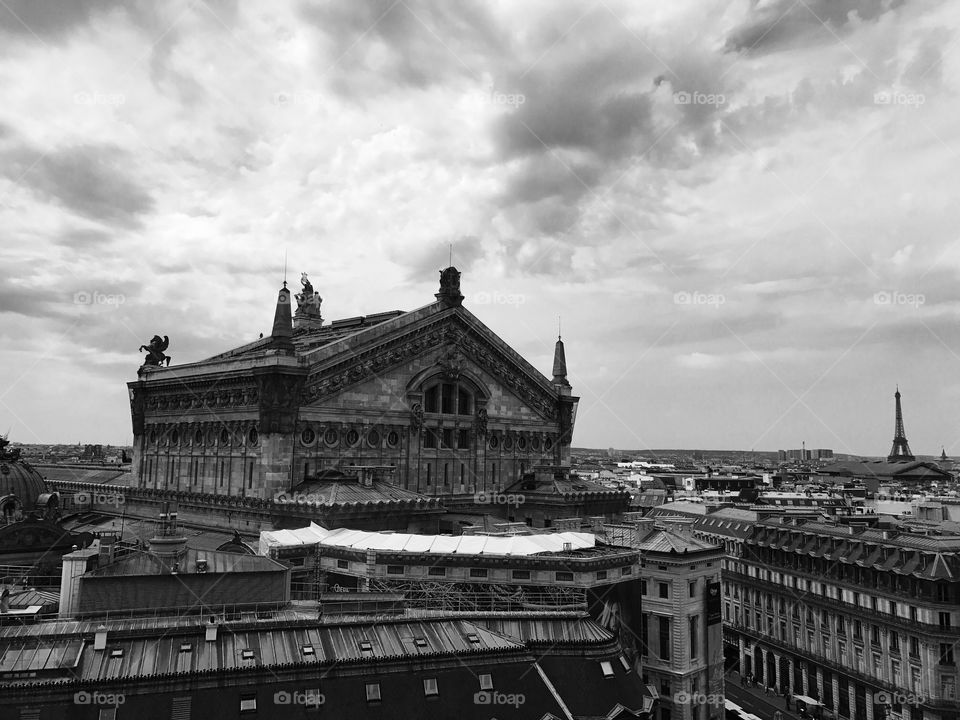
(432, 396)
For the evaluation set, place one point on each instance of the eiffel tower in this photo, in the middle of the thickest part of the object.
(900, 449)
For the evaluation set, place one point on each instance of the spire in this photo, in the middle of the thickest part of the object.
(282, 333)
(900, 449)
(560, 364)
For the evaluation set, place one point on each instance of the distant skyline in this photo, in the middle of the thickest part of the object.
(744, 213)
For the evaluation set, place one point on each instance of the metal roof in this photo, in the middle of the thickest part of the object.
(145, 563)
(667, 541)
(156, 653)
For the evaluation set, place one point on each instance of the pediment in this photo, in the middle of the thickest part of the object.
(457, 341)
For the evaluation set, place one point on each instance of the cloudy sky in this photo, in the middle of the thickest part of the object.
(745, 213)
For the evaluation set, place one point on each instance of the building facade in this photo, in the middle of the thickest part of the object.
(863, 621)
(432, 394)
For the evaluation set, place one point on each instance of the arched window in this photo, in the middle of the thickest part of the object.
(444, 397)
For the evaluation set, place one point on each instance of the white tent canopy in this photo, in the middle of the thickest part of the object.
(439, 544)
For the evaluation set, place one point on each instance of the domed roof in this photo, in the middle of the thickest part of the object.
(17, 477)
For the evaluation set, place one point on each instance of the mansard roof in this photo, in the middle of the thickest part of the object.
(885, 469)
(664, 540)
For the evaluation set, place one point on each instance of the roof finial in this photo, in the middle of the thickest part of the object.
(284, 267)
(559, 334)
(450, 264)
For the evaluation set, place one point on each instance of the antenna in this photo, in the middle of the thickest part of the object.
(284, 267)
(559, 334)
(451, 255)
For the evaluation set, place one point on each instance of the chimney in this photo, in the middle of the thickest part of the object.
(74, 565)
(168, 544)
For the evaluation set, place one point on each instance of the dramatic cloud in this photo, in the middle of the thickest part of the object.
(743, 213)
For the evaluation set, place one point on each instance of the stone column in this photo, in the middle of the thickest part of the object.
(835, 682)
(820, 684)
(852, 699)
(869, 706)
(763, 673)
(743, 656)
(805, 680)
(792, 670)
(776, 671)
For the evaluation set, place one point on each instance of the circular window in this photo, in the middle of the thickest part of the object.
(175, 437)
(352, 437)
(535, 443)
(508, 443)
(198, 437)
(373, 438)
(253, 436)
(521, 443)
(548, 444)
(308, 436)
(393, 437)
(224, 437)
(331, 436)
(494, 442)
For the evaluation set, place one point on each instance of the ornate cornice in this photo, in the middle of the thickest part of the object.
(200, 396)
